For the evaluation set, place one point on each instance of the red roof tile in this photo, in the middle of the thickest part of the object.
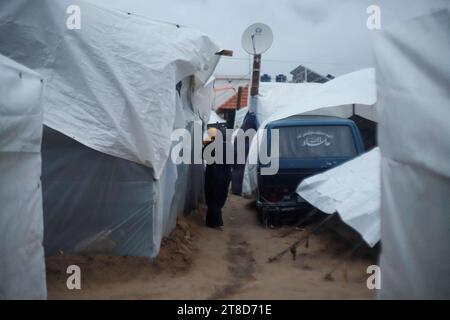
(231, 103)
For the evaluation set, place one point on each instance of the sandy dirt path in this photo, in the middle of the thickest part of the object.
(201, 263)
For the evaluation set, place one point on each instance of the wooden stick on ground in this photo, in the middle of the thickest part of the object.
(329, 275)
(293, 247)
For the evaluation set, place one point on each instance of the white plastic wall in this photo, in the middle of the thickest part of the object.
(413, 82)
(22, 267)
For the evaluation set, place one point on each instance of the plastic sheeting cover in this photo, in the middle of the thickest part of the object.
(22, 270)
(274, 97)
(353, 191)
(240, 116)
(110, 84)
(335, 97)
(203, 98)
(214, 118)
(413, 81)
(96, 203)
(281, 100)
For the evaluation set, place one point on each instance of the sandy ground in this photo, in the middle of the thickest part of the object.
(201, 263)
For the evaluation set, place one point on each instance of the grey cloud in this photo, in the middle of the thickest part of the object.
(314, 12)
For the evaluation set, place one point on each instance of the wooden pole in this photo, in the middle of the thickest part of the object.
(255, 75)
(293, 247)
(239, 97)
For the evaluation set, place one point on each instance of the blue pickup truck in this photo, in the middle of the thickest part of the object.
(308, 145)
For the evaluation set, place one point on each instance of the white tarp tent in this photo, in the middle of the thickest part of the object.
(353, 191)
(115, 91)
(335, 98)
(413, 81)
(120, 96)
(22, 270)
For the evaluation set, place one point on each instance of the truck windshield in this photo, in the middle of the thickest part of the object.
(316, 142)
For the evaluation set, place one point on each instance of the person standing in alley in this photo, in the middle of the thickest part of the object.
(217, 181)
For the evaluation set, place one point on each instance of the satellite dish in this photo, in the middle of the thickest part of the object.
(257, 38)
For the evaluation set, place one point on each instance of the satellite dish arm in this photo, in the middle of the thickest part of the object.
(253, 43)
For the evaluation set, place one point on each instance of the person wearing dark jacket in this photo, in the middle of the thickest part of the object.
(217, 181)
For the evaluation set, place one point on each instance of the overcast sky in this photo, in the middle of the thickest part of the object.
(329, 36)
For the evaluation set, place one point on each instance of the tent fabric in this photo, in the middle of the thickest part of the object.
(281, 100)
(22, 266)
(203, 98)
(96, 203)
(240, 116)
(274, 97)
(116, 90)
(334, 98)
(353, 191)
(214, 118)
(110, 84)
(413, 80)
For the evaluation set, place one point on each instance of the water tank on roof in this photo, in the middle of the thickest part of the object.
(281, 78)
(266, 78)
